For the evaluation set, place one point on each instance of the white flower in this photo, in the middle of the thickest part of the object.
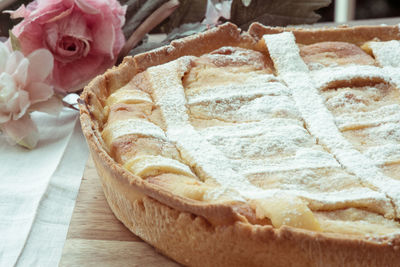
(22, 90)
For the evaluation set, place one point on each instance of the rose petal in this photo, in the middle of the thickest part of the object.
(13, 61)
(4, 116)
(20, 75)
(86, 7)
(51, 36)
(75, 26)
(51, 13)
(12, 101)
(39, 92)
(86, 48)
(90, 66)
(4, 54)
(41, 65)
(8, 88)
(22, 131)
(13, 104)
(21, 104)
(62, 15)
(103, 39)
(32, 6)
(21, 12)
(31, 38)
(37, 17)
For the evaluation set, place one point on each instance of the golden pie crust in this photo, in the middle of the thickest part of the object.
(197, 228)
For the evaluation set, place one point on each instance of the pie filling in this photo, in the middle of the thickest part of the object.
(306, 136)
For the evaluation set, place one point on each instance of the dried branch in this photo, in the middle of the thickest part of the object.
(137, 12)
(148, 24)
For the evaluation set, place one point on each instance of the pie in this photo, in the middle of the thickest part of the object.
(272, 147)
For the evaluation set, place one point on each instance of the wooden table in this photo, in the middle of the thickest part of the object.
(97, 238)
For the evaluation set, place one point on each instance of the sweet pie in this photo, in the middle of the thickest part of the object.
(272, 147)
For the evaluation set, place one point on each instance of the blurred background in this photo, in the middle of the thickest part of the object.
(360, 10)
(337, 10)
(193, 16)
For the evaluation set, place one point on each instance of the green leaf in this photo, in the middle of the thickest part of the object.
(275, 12)
(15, 44)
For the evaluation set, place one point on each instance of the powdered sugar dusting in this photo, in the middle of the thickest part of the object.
(243, 110)
(285, 55)
(210, 163)
(385, 114)
(325, 76)
(318, 119)
(388, 56)
(238, 91)
(305, 158)
(260, 97)
(386, 154)
(259, 139)
(351, 100)
(394, 74)
(384, 133)
(386, 53)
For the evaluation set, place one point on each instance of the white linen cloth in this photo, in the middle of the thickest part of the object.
(38, 189)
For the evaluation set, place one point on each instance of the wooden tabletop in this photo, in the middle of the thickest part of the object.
(97, 238)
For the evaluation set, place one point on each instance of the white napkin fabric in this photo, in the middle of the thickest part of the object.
(38, 189)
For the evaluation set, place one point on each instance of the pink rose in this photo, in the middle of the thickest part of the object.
(84, 36)
(23, 88)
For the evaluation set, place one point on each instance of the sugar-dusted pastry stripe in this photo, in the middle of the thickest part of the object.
(385, 154)
(121, 128)
(153, 165)
(251, 129)
(394, 74)
(238, 91)
(276, 136)
(324, 77)
(285, 54)
(253, 110)
(388, 56)
(386, 53)
(382, 134)
(209, 162)
(385, 114)
(305, 158)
